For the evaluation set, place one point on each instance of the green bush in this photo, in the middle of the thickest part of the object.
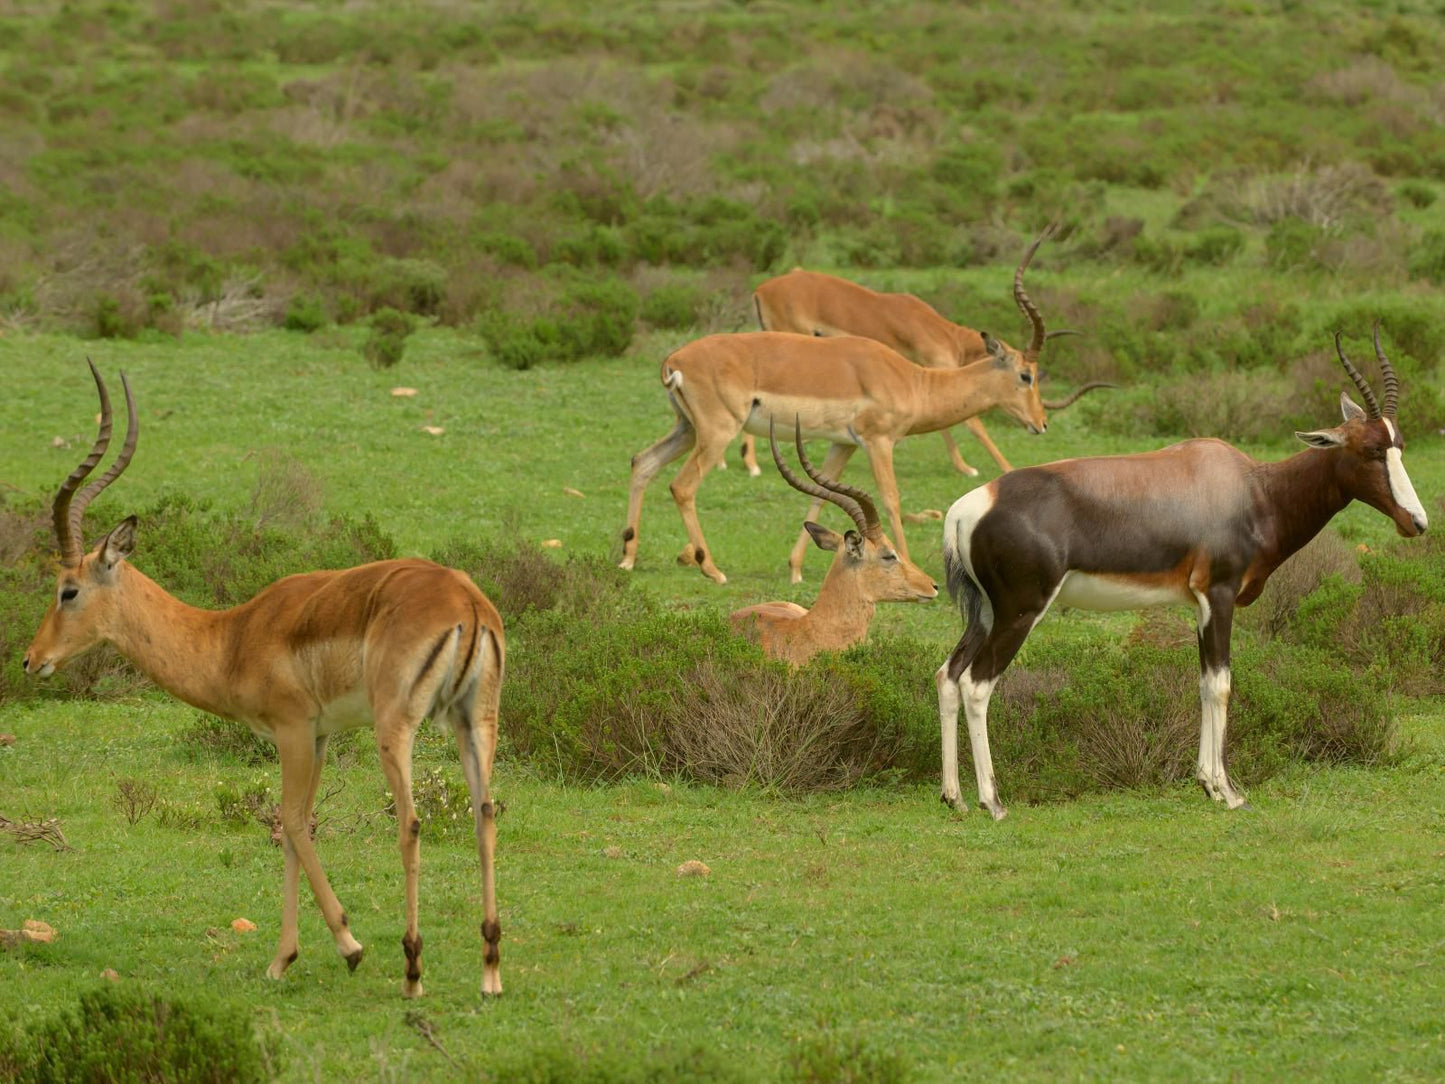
(1214, 247)
(1294, 245)
(1427, 257)
(305, 312)
(386, 343)
(125, 1033)
(673, 305)
(1417, 194)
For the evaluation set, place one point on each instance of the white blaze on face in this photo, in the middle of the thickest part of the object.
(1400, 487)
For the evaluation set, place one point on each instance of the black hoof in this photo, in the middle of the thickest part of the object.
(354, 959)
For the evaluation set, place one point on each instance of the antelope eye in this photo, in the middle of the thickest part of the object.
(1027, 378)
(69, 593)
(890, 557)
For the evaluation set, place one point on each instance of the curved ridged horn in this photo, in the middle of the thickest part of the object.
(68, 509)
(1070, 400)
(1027, 307)
(1061, 331)
(1372, 407)
(822, 489)
(1392, 383)
(872, 527)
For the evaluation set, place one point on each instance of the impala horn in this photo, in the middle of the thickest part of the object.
(855, 502)
(68, 509)
(1027, 307)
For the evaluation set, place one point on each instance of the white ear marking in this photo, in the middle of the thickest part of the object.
(1349, 408)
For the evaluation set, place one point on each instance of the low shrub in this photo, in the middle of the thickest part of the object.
(126, 1033)
(305, 312)
(590, 317)
(208, 736)
(671, 306)
(386, 343)
(1427, 257)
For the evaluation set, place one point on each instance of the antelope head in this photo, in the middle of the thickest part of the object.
(865, 556)
(1372, 467)
(87, 597)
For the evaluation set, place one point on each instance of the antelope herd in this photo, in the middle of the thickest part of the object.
(390, 644)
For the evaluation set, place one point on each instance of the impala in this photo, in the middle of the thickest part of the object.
(811, 303)
(866, 570)
(1198, 523)
(384, 645)
(856, 392)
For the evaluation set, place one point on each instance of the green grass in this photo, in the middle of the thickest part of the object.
(1132, 935)
(1138, 935)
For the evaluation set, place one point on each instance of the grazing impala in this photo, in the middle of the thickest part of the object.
(855, 392)
(866, 570)
(811, 303)
(1199, 523)
(384, 645)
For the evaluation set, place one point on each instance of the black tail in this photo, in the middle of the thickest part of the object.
(969, 597)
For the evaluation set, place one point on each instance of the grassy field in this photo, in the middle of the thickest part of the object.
(1129, 935)
(230, 201)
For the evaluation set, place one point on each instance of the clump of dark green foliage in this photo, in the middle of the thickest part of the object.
(126, 1033)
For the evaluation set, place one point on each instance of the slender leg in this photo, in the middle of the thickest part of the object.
(955, 456)
(299, 771)
(476, 744)
(1216, 616)
(750, 455)
(289, 945)
(832, 469)
(975, 426)
(880, 458)
(394, 735)
(645, 465)
(706, 453)
(948, 721)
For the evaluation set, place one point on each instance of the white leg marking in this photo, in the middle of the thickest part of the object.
(1214, 687)
(948, 721)
(975, 708)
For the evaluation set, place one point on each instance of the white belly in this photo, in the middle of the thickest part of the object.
(345, 713)
(1089, 592)
(821, 420)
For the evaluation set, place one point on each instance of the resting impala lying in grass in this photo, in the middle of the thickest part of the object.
(1199, 524)
(812, 303)
(866, 570)
(383, 645)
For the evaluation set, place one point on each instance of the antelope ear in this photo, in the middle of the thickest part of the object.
(823, 538)
(1322, 438)
(1351, 409)
(119, 544)
(993, 346)
(853, 541)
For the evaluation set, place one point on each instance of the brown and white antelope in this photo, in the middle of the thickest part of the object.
(812, 303)
(856, 392)
(384, 645)
(1198, 523)
(866, 570)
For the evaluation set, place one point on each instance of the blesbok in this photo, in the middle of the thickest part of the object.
(812, 303)
(383, 645)
(1198, 523)
(866, 570)
(856, 392)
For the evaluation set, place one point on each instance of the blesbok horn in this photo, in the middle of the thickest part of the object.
(1372, 407)
(1392, 383)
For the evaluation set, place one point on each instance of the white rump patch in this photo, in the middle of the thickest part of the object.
(1090, 592)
